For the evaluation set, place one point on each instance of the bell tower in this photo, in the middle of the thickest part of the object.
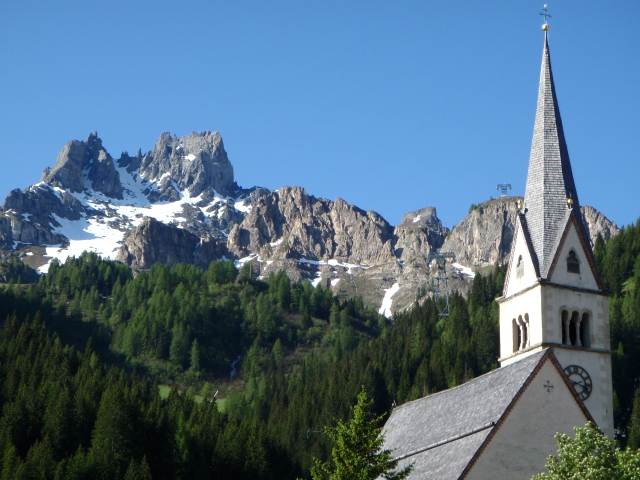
(553, 295)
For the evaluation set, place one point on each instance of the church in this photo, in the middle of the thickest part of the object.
(555, 358)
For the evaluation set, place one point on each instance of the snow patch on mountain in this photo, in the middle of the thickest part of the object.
(464, 270)
(385, 308)
(241, 207)
(335, 263)
(102, 229)
(316, 281)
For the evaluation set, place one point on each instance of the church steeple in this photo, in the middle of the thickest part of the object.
(550, 196)
(553, 296)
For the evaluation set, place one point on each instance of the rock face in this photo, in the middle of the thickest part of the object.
(77, 157)
(67, 172)
(337, 245)
(179, 203)
(597, 223)
(29, 216)
(87, 195)
(290, 223)
(483, 238)
(197, 162)
(419, 233)
(153, 241)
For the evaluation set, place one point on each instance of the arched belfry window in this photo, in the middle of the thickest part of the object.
(520, 267)
(520, 330)
(585, 330)
(576, 329)
(573, 264)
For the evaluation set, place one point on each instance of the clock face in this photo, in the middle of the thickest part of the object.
(580, 379)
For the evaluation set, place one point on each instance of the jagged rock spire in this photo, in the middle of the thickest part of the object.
(550, 179)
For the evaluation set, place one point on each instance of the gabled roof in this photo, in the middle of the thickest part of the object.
(586, 246)
(443, 434)
(550, 179)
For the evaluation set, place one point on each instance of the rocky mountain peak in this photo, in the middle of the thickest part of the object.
(67, 171)
(196, 162)
(79, 158)
(421, 218)
(179, 203)
(153, 241)
(483, 238)
(290, 223)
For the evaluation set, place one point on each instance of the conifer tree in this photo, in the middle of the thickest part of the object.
(278, 352)
(179, 350)
(357, 453)
(307, 322)
(634, 434)
(138, 471)
(195, 357)
(111, 446)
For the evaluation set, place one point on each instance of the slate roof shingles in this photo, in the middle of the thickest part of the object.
(550, 178)
(459, 410)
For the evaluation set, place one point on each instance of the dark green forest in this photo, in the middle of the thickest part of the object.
(83, 350)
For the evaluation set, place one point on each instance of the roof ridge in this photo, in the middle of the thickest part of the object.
(484, 375)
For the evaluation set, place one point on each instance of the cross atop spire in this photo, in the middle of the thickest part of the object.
(551, 196)
(545, 14)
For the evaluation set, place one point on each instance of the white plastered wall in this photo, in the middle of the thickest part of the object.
(598, 365)
(596, 359)
(515, 283)
(528, 303)
(526, 438)
(560, 275)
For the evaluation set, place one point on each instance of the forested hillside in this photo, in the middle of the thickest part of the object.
(304, 353)
(95, 412)
(619, 265)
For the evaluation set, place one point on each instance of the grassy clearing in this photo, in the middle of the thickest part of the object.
(222, 404)
(166, 389)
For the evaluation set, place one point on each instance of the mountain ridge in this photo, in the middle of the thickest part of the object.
(179, 202)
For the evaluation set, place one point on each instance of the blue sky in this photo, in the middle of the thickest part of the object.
(392, 106)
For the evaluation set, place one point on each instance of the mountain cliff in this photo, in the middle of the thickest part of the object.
(483, 238)
(179, 202)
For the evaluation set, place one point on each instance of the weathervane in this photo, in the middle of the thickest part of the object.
(546, 15)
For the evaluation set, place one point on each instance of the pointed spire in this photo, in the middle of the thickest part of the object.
(551, 196)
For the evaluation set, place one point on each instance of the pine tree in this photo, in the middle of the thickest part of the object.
(111, 446)
(306, 321)
(634, 434)
(40, 462)
(278, 352)
(138, 471)
(10, 462)
(195, 357)
(179, 350)
(357, 453)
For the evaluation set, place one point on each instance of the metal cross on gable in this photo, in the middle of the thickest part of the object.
(548, 386)
(544, 13)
